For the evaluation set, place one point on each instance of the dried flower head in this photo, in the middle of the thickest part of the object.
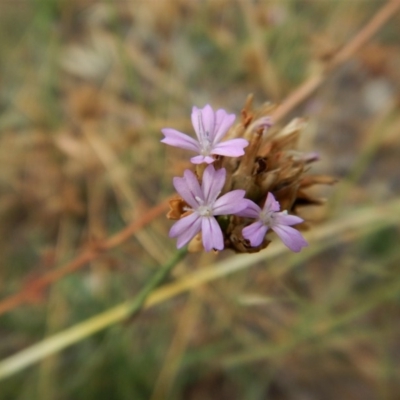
(272, 175)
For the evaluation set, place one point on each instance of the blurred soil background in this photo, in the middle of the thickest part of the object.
(85, 87)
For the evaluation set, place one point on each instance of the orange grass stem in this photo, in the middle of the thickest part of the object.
(348, 50)
(81, 260)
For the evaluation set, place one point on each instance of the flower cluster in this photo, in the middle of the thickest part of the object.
(211, 205)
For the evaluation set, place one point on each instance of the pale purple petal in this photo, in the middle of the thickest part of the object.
(230, 148)
(223, 122)
(311, 157)
(203, 122)
(283, 218)
(213, 182)
(202, 159)
(220, 116)
(188, 188)
(181, 187)
(186, 229)
(208, 118)
(255, 233)
(193, 184)
(271, 204)
(230, 203)
(291, 237)
(252, 210)
(196, 114)
(211, 234)
(183, 224)
(263, 122)
(179, 139)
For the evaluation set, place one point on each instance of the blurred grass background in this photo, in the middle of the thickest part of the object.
(85, 87)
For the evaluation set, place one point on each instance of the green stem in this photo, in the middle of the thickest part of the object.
(84, 329)
(136, 304)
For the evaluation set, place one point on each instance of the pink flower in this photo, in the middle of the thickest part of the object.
(204, 205)
(210, 128)
(270, 217)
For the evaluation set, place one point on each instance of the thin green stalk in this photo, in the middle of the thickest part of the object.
(93, 325)
(136, 304)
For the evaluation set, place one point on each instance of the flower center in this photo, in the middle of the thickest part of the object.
(205, 147)
(267, 218)
(205, 211)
